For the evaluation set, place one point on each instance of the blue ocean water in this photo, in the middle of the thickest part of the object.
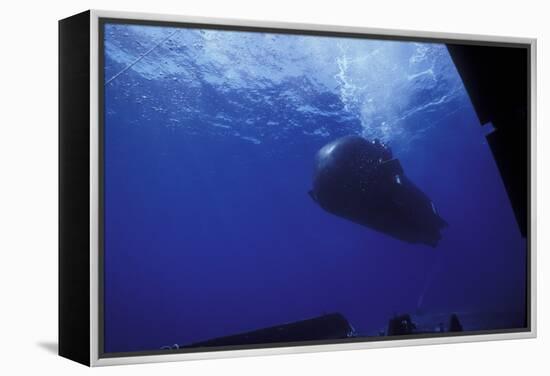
(209, 142)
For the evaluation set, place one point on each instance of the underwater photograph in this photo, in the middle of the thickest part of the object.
(265, 188)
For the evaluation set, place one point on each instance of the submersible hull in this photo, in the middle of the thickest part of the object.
(360, 180)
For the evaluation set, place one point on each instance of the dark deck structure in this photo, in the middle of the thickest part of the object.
(497, 81)
(327, 327)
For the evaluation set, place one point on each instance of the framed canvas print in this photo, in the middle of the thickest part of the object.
(233, 188)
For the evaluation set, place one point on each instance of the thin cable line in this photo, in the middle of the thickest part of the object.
(139, 58)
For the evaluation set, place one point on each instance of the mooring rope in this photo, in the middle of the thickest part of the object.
(434, 269)
(140, 57)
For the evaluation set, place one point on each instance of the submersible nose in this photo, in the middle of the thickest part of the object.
(359, 180)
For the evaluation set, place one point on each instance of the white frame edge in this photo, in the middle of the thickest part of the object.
(95, 360)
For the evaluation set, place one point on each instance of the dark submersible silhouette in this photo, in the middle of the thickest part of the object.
(360, 180)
